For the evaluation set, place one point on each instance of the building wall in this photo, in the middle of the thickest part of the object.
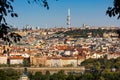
(16, 61)
(3, 59)
(79, 61)
(24, 78)
(48, 63)
(56, 63)
(112, 56)
(37, 61)
(72, 62)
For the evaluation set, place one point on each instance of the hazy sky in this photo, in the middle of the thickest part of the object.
(90, 12)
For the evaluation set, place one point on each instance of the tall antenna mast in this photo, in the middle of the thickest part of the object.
(68, 18)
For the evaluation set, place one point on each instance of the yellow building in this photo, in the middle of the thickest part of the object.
(3, 59)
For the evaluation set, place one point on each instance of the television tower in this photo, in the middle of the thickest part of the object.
(68, 18)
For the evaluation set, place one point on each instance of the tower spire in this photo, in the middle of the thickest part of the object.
(69, 12)
(68, 18)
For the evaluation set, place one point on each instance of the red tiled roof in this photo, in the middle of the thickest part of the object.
(15, 57)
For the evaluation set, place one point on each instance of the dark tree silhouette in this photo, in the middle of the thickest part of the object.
(115, 10)
(6, 9)
(44, 3)
(6, 33)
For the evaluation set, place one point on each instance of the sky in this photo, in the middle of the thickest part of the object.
(89, 12)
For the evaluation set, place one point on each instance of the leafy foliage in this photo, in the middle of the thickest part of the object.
(84, 32)
(102, 63)
(26, 62)
(115, 10)
(44, 3)
(6, 33)
(9, 74)
(6, 8)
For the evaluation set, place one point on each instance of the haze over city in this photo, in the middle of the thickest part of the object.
(90, 12)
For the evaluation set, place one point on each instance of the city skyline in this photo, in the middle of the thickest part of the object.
(92, 13)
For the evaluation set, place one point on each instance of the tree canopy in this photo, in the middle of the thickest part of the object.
(6, 9)
(6, 33)
(115, 10)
